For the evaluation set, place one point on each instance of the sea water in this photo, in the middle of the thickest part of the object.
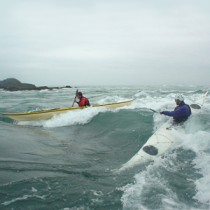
(70, 161)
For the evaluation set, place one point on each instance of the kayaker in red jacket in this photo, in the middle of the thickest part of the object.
(83, 101)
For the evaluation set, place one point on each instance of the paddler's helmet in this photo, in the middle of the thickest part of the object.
(179, 97)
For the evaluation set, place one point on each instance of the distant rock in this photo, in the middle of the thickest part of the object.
(12, 84)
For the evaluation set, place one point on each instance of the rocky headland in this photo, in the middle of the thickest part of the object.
(12, 84)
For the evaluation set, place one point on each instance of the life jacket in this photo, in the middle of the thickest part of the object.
(186, 113)
(84, 102)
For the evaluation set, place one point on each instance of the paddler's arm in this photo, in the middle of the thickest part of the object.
(167, 113)
(177, 113)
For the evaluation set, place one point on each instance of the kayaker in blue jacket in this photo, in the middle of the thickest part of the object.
(181, 112)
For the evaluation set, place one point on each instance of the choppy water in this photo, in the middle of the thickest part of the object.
(67, 162)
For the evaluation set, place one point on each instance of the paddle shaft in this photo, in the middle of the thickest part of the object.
(75, 98)
(154, 110)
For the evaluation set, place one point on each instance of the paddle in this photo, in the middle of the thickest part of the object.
(75, 97)
(154, 111)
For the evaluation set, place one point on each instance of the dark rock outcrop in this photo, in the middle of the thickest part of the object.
(12, 84)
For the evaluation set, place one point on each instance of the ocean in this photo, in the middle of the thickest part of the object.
(70, 162)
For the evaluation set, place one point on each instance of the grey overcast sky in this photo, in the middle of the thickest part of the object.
(105, 42)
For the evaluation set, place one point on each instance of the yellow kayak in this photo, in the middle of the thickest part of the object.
(47, 114)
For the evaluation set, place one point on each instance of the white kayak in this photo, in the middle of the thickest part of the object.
(159, 142)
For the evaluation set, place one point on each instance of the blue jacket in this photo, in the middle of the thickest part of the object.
(180, 113)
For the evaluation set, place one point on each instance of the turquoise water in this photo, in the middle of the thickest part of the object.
(70, 161)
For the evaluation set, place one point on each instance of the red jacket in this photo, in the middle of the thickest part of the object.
(84, 102)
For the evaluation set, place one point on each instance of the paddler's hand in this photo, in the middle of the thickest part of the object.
(75, 100)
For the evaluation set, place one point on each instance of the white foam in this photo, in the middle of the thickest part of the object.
(77, 117)
(111, 99)
(24, 197)
(199, 142)
(203, 184)
(148, 180)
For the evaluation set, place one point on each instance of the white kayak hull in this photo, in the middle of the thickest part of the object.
(155, 146)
